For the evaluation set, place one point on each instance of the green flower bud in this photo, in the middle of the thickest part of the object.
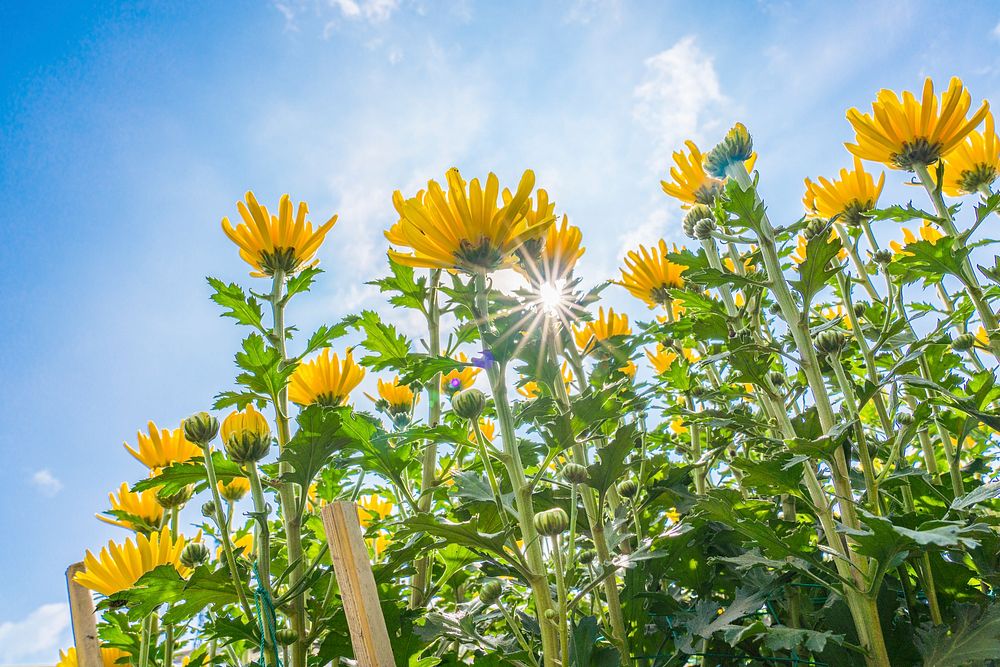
(574, 473)
(816, 227)
(200, 428)
(831, 342)
(963, 342)
(735, 148)
(703, 229)
(882, 257)
(171, 500)
(552, 522)
(587, 557)
(490, 591)
(859, 309)
(776, 378)
(775, 308)
(468, 403)
(904, 419)
(194, 554)
(208, 509)
(551, 614)
(627, 488)
(697, 213)
(286, 636)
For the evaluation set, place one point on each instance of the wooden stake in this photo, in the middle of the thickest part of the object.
(83, 615)
(353, 570)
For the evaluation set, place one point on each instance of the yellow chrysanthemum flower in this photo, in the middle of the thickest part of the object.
(488, 429)
(835, 312)
(850, 197)
(648, 274)
(109, 657)
(673, 515)
(399, 397)
(902, 134)
(600, 330)
(802, 244)
(162, 447)
(465, 229)
(677, 426)
(235, 489)
(689, 183)
(663, 358)
(246, 422)
(141, 504)
(529, 390)
(373, 507)
(120, 566)
(629, 369)
(927, 233)
(325, 380)
(271, 243)
(460, 378)
(974, 163)
(552, 258)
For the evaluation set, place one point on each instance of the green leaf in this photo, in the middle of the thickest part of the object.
(264, 373)
(409, 292)
(744, 204)
(930, 261)
(316, 441)
(301, 281)
(974, 637)
(465, 534)
(388, 347)
(709, 277)
(242, 308)
(782, 638)
(818, 268)
(322, 337)
(610, 469)
(585, 650)
(176, 476)
(899, 213)
(980, 495)
(164, 585)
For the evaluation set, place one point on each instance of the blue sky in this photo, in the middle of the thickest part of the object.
(129, 130)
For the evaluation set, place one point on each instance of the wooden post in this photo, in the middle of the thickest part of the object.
(353, 570)
(83, 615)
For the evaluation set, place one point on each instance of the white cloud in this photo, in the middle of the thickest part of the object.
(372, 11)
(46, 483)
(679, 98)
(585, 11)
(996, 31)
(37, 637)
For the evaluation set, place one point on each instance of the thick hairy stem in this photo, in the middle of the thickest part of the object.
(595, 517)
(557, 563)
(428, 466)
(974, 289)
(223, 526)
(523, 500)
(290, 512)
(262, 540)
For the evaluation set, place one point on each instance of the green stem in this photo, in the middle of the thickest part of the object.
(867, 466)
(859, 265)
(522, 491)
(145, 641)
(974, 289)
(220, 522)
(518, 635)
(563, 597)
(428, 466)
(291, 513)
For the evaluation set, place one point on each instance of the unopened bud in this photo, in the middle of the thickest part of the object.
(286, 636)
(194, 554)
(904, 419)
(468, 403)
(735, 148)
(551, 614)
(208, 509)
(696, 214)
(831, 342)
(171, 500)
(490, 591)
(552, 522)
(882, 257)
(627, 488)
(703, 229)
(816, 227)
(776, 378)
(587, 557)
(574, 473)
(200, 428)
(246, 435)
(963, 342)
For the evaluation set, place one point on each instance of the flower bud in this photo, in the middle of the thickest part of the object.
(468, 403)
(882, 257)
(831, 342)
(574, 473)
(286, 636)
(246, 435)
(776, 378)
(551, 614)
(552, 522)
(816, 227)
(208, 509)
(587, 557)
(697, 213)
(171, 500)
(194, 554)
(775, 308)
(200, 428)
(859, 309)
(703, 229)
(963, 342)
(490, 591)
(627, 488)
(735, 148)
(904, 419)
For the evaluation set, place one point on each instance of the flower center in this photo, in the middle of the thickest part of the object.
(855, 212)
(285, 260)
(917, 152)
(481, 256)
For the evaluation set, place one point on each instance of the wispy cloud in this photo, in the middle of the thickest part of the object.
(46, 483)
(37, 637)
(329, 12)
(996, 31)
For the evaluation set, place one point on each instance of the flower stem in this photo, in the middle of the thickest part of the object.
(428, 466)
(290, 511)
(538, 580)
(557, 561)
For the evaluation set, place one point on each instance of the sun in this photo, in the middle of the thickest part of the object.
(551, 298)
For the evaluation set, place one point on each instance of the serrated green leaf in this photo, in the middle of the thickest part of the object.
(242, 308)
